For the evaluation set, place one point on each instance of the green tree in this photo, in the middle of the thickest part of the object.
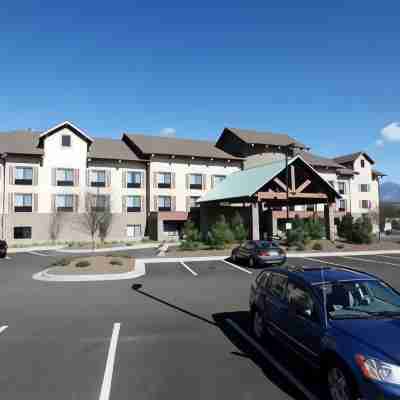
(345, 227)
(362, 230)
(191, 236)
(314, 229)
(238, 228)
(220, 234)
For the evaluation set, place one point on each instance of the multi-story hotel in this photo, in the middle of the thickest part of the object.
(149, 183)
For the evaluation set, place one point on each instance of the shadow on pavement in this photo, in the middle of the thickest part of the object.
(307, 376)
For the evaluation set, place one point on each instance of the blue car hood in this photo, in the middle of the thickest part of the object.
(382, 335)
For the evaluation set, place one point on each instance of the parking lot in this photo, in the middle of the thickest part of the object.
(179, 332)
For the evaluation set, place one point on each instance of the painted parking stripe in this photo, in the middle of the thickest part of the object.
(390, 257)
(369, 261)
(3, 328)
(272, 361)
(237, 267)
(188, 268)
(108, 373)
(327, 262)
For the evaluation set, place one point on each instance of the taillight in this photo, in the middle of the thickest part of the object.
(264, 253)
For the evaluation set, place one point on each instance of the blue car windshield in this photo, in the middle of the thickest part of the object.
(359, 299)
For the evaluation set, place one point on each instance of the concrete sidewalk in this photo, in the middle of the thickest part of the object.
(110, 249)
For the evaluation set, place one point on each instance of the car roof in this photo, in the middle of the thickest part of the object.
(314, 275)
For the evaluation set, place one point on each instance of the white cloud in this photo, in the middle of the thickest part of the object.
(380, 142)
(168, 132)
(391, 132)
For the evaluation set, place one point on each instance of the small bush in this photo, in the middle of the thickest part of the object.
(238, 229)
(220, 234)
(340, 246)
(82, 264)
(116, 262)
(317, 246)
(62, 262)
(129, 244)
(345, 227)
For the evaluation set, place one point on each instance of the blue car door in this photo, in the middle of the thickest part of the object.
(305, 325)
(276, 308)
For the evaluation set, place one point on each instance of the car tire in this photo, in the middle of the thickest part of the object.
(257, 325)
(340, 384)
(234, 257)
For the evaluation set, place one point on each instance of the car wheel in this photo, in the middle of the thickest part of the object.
(340, 385)
(257, 325)
(234, 257)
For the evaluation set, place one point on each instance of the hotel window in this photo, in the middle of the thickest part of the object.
(164, 203)
(362, 163)
(365, 204)
(196, 181)
(192, 201)
(342, 205)
(65, 202)
(22, 232)
(23, 175)
(134, 179)
(66, 141)
(134, 231)
(342, 187)
(65, 177)
(98, 178)
(364, 187)
(164, 179)
(217, 179)
(23, 203)
(133, 204)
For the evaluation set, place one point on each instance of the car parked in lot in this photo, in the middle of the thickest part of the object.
(259, 253)
(3, 248)
(343, 322)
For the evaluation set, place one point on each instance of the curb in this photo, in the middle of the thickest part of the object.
(109, 250)
(46, 276)
(13, 250)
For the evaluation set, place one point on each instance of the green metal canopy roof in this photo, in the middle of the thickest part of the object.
(247, 182)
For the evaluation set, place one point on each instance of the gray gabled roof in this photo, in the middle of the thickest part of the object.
(246, 183)
(20, 142)
(268, 138)
(319, 161)
(111, 149)
(160, 145)
(352, 157)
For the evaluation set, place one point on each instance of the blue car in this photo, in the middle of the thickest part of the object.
(343, 322)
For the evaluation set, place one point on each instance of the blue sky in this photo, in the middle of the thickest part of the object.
(326, 74)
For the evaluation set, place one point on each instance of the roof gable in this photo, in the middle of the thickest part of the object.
(348, 158)
(111, 149)
(65, 125)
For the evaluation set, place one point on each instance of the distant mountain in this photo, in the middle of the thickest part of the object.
(390, 192)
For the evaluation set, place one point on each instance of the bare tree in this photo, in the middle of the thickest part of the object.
(55, 226)
(105, 225)
(94, 216)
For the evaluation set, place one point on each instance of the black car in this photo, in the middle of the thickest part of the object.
(3, 248)
(259, 253)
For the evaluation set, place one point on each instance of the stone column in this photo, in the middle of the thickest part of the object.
(204, 221)
(255, 221)
(329, 215)
(269, 222)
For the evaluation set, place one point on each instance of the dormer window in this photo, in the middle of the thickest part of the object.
(66, 141)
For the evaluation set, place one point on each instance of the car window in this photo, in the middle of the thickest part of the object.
(266, 245)
(249, 245)
(301, 302)
(277, 285)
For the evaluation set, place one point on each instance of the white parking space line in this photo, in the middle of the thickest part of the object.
(3, 328)
(237, 267)
(188, 268)
(35, 253)
(369, 261)
(327, 262)
(108, 373)
(272, 361)
(390, 257)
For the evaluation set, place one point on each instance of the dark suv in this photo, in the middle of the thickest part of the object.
(343, 322)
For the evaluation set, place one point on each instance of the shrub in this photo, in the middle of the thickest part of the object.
(62, 262)
(314, 229)
(190, 232)
(345, 227)
(116, 262)
(238, 229)
(340, 246)
(82, 264)
(220, 234)
(129, 244)
(362, 230)
(317, 246)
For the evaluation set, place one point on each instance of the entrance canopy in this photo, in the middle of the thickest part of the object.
(267, 184)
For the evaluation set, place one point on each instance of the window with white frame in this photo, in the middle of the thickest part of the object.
(134, 179)
(164, 179)
(192, 201)
(23, 202)
(22, 232)
(65, 177)
(365, 204)
(364, 187)
(218, 178)
(134, 231)
(97, 178)
(133, 203)
(66, 140)
(65, 202)
(196, 181)
(342, 205)
(164, 203)
(342, 187)
(23, 176)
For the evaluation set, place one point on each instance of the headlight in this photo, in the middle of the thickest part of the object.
(377, 370)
